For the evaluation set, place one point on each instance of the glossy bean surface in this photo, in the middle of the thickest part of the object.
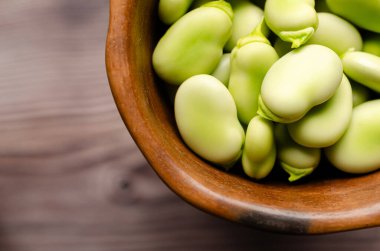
(170, 11)
(325, 124)
(259, 153)
(300, 80)
(337, 34)
(358, 150)
(222, 71)
(298, 161)
(364, 68)
(206, 117)
(250, 61)
(364, 13)
(246, 17)
(194, 44)
(293, 21)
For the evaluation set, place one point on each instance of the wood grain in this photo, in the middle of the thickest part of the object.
(71, 178)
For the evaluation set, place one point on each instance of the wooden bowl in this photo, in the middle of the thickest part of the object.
(328, 201)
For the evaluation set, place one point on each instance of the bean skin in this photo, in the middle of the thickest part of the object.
(194, 44)
(206, 117)
(363, 13)
(325, 124)
(363, 67)
(300, 80)
(259, 153)
(247, 73)
(358, 150)
(293, 21)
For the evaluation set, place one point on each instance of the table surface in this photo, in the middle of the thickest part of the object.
(71, 177)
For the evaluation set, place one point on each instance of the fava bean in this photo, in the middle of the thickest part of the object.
(333, 32)
(170, 11)
(300, 80)
(246, 17)
(364, 13)
(325, 124)
(206, 117)
(222, 71)
(358, 150)
(292, 20)
(194, 44)
(337, 34)
(250, 61)
(364, 68)
(259, 153)
(298, 161)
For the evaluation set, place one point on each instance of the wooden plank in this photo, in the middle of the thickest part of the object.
(71, 177)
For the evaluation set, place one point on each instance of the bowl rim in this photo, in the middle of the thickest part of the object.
(121, 79)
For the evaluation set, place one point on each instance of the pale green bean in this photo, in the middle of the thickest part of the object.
(170, 11)
(246, 17)
(206, 117)
(250, 61)
(222, 71)
(358, 150)
(364, 13)
(364, 68)
(333, 32)
(325, 124)
(300, 80)
(337, 34)
(292, 20)
(259, 153)
(298, 161)
(194, 44)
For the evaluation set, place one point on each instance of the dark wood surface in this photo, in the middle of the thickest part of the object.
(71, 178)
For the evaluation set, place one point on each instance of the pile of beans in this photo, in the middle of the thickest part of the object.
(272, 81)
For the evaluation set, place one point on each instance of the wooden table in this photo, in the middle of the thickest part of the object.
(71, 177)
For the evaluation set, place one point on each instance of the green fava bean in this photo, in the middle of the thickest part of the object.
(194, 44)
(337, 34)
(333, 32)
(358, 150)
(206, 117)
(364, 68)
(292, 20)
(298, 161)
(364, 13)
(325, 124)
(300, 80)
(250, 61)
(246, 17)
(372, 45)
(259, 153)
(170, 11)
(222, 71)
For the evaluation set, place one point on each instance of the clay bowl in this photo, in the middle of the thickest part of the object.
(327, 201)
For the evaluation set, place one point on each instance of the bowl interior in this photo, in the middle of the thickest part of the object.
(328, 201)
